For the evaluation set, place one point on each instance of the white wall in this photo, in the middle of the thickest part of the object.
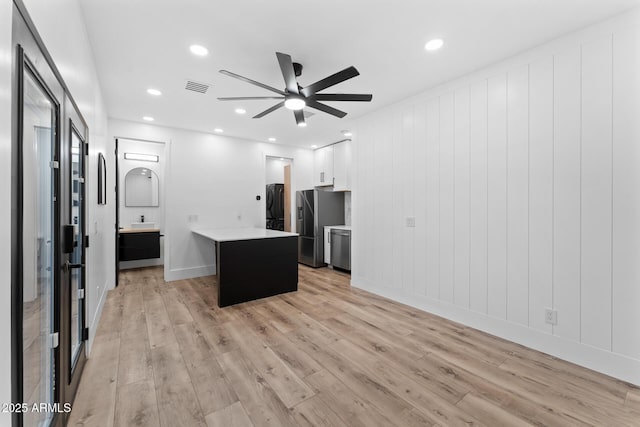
(211, 181)
(5, 208)
(129, 215)
(524, 182)
(274, 170)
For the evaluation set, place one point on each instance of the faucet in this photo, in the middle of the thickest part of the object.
(141, 218)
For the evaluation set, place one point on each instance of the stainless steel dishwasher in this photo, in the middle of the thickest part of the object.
(341, 248)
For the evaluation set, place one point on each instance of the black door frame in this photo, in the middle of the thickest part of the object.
(74, 371)
(117, 225)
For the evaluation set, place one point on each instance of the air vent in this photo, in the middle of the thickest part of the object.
(307, 114)
(197, 86)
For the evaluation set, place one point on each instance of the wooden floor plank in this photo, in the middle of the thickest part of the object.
(258, 398)
(137, 405)
(233, 415)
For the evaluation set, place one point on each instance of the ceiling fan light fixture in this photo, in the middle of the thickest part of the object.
(295, 103)
(302, 124)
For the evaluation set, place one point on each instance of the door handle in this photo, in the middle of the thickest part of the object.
(69, 266)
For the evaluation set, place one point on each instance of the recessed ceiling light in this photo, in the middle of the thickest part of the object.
(314, 146)
(218, 130)
(346, 133)
(302, 124)
(434, 44)
(196, 49)
(295, 103)
(154, 92)
(148, 118)
(240, 110)
(282, 158)
(272, 139)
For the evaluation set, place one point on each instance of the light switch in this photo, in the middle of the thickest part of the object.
(411, 221)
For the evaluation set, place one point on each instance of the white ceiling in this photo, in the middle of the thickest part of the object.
(144, 43)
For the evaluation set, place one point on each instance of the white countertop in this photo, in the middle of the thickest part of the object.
(338, 227)
(231, 234)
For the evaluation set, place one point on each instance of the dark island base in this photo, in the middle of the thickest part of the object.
(253, 269)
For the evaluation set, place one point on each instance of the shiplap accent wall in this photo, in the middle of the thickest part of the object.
(524, 183)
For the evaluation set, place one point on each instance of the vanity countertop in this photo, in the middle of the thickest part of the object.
(139, 230)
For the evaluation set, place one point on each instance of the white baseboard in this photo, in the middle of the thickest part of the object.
(96, 318)
(613, 364)
(188, 273)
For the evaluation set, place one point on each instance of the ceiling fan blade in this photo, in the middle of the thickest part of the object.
(269, 110)
(253, 82)
(332, 80)
(289, 75)
(299, 115)
(326, 108)
(342, 97)
(245, 98)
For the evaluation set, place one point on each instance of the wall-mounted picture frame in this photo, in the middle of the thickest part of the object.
(102, 180)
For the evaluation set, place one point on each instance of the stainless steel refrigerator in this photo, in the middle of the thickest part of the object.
(315, 210)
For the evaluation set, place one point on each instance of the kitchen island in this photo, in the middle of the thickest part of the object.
(253, 263)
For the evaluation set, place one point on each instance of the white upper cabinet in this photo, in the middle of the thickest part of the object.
(323, 166)
(342, 166)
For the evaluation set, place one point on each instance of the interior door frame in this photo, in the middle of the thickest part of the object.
(24, 63)
(73, 373)
(117, 225)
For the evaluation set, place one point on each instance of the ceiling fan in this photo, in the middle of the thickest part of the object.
(296, 97)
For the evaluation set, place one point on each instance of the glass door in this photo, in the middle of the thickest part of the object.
(73, 199)
(39, 242)
(77, 261)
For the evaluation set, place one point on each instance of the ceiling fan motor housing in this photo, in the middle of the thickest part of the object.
(297, 69)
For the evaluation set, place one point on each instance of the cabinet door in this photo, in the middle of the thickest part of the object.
(328, 165)
(318, 167)
(342, 166)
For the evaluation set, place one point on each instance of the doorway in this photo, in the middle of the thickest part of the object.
(278, 194)
(48, 234)
(140, 203)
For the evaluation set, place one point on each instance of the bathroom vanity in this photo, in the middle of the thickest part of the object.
(139, 243)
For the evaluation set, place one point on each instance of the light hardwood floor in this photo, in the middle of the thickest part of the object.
(327, 355)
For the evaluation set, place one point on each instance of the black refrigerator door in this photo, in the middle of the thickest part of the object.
(304, 214)
(269, 201)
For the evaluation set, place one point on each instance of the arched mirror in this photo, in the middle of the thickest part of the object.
(141, 188)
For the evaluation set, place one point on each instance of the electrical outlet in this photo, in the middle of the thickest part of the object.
(192, 218)
(551, 316)
(411, 221)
